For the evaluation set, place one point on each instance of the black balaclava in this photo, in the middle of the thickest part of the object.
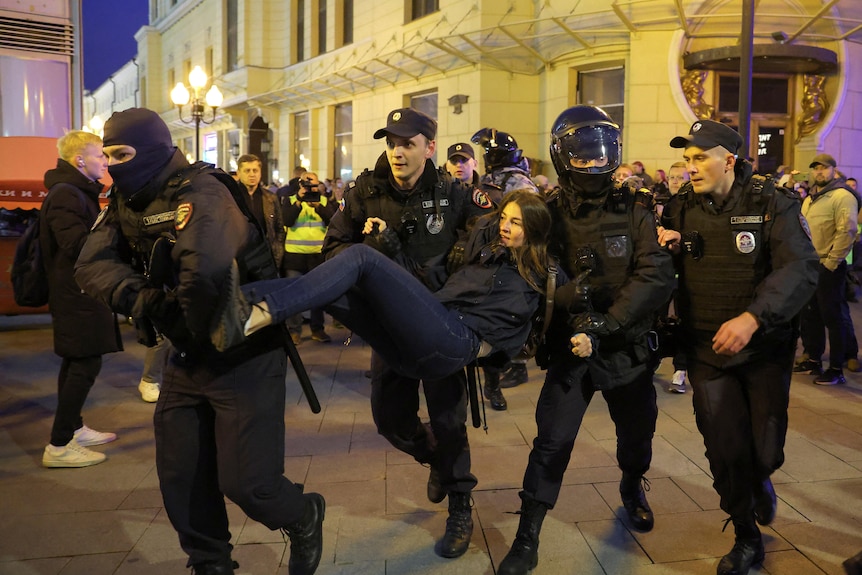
(588, 185)
(147, 133)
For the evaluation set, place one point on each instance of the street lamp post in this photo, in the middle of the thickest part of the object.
(180, 97)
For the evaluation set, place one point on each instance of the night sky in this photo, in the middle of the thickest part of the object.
(109, 30)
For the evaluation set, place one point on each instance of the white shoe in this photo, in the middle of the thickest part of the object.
(85, 437)
(149, 391)
(70, 455)
(677, 383)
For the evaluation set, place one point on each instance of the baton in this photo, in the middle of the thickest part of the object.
(473, 394)
(301, 375)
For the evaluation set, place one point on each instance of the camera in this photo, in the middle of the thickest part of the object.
(312, 191)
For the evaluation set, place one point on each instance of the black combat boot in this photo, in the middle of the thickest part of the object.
(765, 502)
(524, 554)
(515, 374)
(306, 537)
(459, 526)
(493, 393)
(634, 501)
(747, 549)
(853, 566)
(225, 567)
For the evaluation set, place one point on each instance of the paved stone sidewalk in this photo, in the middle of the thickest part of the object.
(109, 519)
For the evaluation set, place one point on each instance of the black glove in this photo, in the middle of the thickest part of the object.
(595, 324)
(389, 242)
(164, 311)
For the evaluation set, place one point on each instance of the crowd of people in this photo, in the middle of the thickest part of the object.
(438, 270)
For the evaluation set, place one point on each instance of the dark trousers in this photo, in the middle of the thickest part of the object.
(563, 401)
(77, 376)
(395, 406)
(827, 311)
(220, 432)
(293, 266)
(742, 414)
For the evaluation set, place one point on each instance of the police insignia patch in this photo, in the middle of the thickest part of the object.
(184, 214)
(481, 199)
(745, 242)
(434, 223)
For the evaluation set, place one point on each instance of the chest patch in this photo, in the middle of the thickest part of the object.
(745, 242)
(616, 246)
(434, 223)
(184, 215)
(746, 220)
(161, 218)
(481, 199)
(428, 204)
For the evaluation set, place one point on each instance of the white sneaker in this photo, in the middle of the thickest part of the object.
(85, 437)
(70, 455)
(677, 383)
(149, 391)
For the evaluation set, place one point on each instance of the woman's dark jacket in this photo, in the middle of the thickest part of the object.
(83, 326)
(489, 294)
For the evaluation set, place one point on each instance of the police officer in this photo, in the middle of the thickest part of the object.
(162, 250)
(746, 269)
(424, 210)
(598, 337)
(506, 169)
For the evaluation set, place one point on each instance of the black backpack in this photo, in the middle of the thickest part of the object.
(29, 276)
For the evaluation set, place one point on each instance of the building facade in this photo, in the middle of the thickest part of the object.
(309, 81)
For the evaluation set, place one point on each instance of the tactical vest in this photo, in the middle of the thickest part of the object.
(720, 285)
(607, 230)
(306, 235)
(157, 220)
(426, 220)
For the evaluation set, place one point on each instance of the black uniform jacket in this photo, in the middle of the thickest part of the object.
(782, 263)
(632, 280)
(83, 326)
(422, 224)
(210, 232)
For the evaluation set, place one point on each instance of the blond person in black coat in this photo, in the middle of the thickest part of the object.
(84, 328)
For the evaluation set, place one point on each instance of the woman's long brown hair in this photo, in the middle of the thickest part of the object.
(531, 258)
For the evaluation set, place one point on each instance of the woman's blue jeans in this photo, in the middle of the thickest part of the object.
(384, 304)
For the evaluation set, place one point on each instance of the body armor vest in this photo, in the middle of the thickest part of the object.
(606, 230)
(720, 285)
(151, 232)
(426, 220)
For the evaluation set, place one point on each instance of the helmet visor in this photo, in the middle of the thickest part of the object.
(592, 149)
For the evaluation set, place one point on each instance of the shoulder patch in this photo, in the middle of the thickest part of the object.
(481, 199)
(184, 214)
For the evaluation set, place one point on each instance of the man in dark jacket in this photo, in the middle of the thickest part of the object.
(165, 251)
(263, 204)
(598, 339)
(84, 328)
(425, 211)
(746, 268)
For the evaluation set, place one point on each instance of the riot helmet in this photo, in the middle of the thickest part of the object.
(585, 140)
(501, 149)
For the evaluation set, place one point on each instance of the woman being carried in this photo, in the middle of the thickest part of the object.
(485, 307)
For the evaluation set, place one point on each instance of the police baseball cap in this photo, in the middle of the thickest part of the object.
(708, 134)
(461, 149)
(824, 159)
(406, 123)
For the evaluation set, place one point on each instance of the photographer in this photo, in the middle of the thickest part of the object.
(306, 217)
